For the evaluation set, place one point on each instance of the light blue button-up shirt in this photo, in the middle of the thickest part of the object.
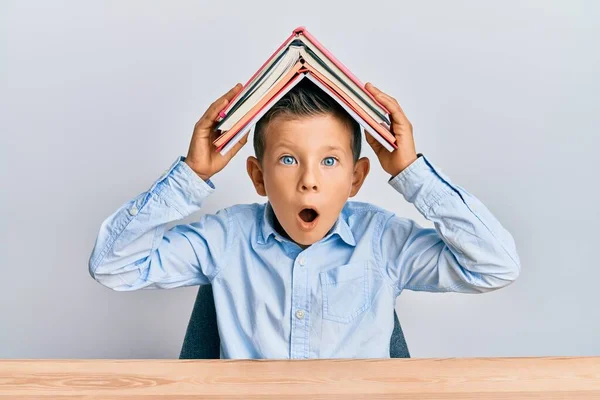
(335, 299)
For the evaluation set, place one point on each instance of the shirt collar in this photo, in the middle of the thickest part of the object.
(267, 227)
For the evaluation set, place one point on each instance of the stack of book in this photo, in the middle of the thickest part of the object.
(301, 56)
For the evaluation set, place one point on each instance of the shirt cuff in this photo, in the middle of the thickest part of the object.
(423, 185)
(182, 188)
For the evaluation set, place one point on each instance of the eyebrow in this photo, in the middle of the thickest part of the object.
(331, 148)
(291, 146)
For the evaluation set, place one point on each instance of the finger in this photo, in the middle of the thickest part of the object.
(371, 88)
(227, 96)
(394, 108)
(379, 93)
(375, 91)
(209, 117)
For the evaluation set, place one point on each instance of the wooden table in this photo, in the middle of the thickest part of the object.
(452, 378)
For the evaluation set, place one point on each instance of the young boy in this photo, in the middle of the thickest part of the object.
(309, 274)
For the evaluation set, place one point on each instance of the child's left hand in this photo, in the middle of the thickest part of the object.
(394, 162)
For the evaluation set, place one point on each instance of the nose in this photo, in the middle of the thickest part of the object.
(309, 181)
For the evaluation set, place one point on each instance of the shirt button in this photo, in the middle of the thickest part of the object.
(301, 261)
(299, 314)
(133, 211)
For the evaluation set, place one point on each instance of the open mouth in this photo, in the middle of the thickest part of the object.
(308, 215)
(308, 218)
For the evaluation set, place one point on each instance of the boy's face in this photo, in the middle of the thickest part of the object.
(308, 173)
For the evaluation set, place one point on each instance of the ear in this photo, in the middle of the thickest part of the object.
(256, 175)
(361, 170)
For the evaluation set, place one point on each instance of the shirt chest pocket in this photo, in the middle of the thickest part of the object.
(345, 291)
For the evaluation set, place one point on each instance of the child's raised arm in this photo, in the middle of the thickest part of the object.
(133, 251)
(468, 251)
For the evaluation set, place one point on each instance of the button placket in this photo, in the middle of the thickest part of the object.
(300, 308)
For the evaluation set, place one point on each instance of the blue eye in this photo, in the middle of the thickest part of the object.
(329, 161)
(287, 160)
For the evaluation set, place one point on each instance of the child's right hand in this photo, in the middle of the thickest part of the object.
(202, 157)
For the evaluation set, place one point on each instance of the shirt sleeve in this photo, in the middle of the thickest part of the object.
(468, 251)
(132, 250)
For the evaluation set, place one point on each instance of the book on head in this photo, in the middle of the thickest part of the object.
(301, 56)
